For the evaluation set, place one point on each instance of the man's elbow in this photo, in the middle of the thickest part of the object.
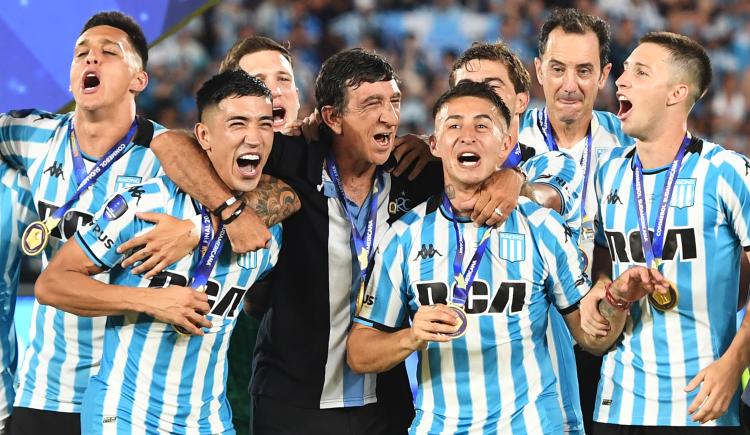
(44, 288)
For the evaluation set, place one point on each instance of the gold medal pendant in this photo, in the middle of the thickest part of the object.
(360, 298)
(462, 318)
(36, 236)
(664, 302)
(179, 329)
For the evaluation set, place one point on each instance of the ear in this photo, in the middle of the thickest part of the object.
(139, 82)
(433, 145)
(332, 119)
(522, 102)
(538, 69)
(202, 134)
(605, 73)
(679, 93)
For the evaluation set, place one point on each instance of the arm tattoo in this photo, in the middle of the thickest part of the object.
(606, 310)
(273, 201)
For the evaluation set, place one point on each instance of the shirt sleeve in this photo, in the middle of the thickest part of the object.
(561, 172)
(116, 223)
(25, 135)
(733, 191)
(567, 282)
(385, 303)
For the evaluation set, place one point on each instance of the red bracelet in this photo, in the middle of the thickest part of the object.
(620, 304)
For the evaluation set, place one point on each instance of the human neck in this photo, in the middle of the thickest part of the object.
(567, 135)
(356, 173)
(98, 130)
(513, 130)
(459, 194)
(661, 148)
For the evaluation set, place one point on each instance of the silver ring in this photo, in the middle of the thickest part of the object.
(499, 212)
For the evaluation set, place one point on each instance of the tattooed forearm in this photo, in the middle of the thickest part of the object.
(273, 200)
(607, 311)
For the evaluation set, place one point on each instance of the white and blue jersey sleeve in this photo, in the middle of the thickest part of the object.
(733, 191)
(25, 135)
(17, 212)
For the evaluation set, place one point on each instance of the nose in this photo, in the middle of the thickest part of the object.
(569, 81)
(274, 87)
(253, 136)
(92, 57)
(390, 114)
(623, 80)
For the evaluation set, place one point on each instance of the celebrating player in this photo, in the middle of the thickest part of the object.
(152, 379)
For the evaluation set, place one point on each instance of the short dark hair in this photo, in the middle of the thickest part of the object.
(687, 55)
(234, 83)
(473, 89)
(349, 68)
(574, 21)
(125, 23)
(496, 52)
(251, 45)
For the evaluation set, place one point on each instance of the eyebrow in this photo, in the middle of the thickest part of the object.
(105, 41)
(640, 64)
(380, 97)
(578, 65)
(480, 116)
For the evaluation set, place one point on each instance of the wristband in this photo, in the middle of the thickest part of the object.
(220, 209)
(520, 172)
(620, 304)
(234, 214)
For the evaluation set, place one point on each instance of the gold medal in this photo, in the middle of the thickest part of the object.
(665, 302)
(179, 329)
(36, 236)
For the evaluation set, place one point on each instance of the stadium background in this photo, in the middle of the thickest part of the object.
(420, 38)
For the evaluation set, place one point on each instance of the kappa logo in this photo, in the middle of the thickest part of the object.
(427, 251)
(136, 192)
(613, 198)
(55, 170)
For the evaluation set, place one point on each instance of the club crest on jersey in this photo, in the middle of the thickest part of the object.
(248, 261)
(124, 181)
(512, 247)
(115, 208)
(684, 193)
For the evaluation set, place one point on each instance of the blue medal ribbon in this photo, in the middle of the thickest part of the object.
(363, 243)
(585, 162)
(514, 158)
(653, 252)
(209, 250)
(464, 279)
(85, 180)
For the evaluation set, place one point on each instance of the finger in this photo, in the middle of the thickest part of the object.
(149, 216)
(469, 204)
(480, 204)
(485, 214)
(418, 168)
(495, 218)
(135, 242)
(137, 256)
(198, 320)
(202, 307)
(427, 336)
(695, 382)
(156, 269)
(405, 161)
(147, 265)
(698, 401)
(188, 326)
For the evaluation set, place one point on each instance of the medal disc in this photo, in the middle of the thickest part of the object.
(462, 318)
(664, 302)
(35, 238)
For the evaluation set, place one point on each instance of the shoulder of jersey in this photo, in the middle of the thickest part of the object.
(611, 123)
(528, 119)
(40, 118)
(410, 217)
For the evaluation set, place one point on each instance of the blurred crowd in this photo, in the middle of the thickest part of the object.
(422, 39)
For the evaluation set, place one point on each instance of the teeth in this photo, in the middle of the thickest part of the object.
(467, 155)
(250, 157)
(622, 98)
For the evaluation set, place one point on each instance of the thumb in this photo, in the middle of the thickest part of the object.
(468, 204)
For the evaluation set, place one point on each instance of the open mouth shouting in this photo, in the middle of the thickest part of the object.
(247, 165)
(625, 107)
(90, 82)
(279, 116)
(384, 139)
(468, 159)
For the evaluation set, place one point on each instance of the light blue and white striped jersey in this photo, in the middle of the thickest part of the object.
(498, 377)
(606, 133)
(65, 349)
(17, 212)
(151, 379)
(706, 230)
